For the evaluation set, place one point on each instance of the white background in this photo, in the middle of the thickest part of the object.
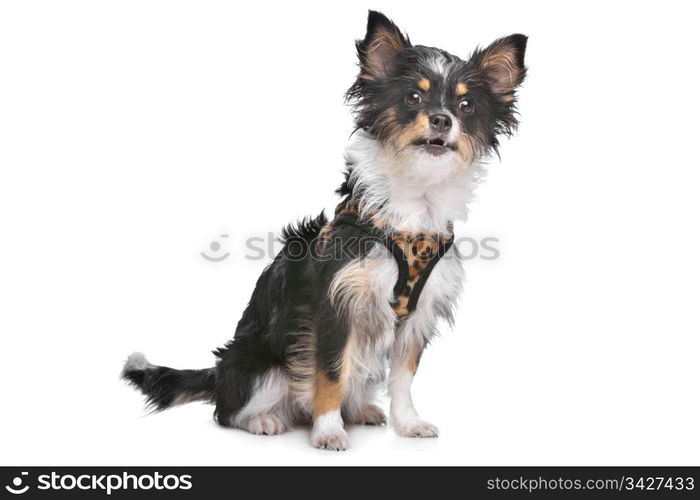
(134, 133)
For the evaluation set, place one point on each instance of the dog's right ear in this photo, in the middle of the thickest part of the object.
(381, 43)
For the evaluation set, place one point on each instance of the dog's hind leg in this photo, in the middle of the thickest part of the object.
(359, 407)
(268, 411)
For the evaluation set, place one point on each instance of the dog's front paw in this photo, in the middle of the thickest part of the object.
(370, 415)
(415, 428)
(328, 433)
(330, 439)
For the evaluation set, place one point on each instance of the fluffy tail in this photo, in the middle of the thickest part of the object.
(165, 387)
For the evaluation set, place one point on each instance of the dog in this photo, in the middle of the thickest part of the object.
(351, 301)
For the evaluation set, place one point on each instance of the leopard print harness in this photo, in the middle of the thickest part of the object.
(416, 254)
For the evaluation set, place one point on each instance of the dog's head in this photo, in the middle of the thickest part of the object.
(429, 104)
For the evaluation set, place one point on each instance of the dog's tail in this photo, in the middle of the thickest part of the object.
(166, 387)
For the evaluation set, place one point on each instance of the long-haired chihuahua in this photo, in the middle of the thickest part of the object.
(359, 294)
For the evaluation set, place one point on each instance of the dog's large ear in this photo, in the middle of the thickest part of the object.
(381, 43)
(504, 64)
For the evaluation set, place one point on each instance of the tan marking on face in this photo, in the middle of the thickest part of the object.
(465, 148)
(461, 89)
(412, 132)
(329, 394)
(424, 84)
(389, 123)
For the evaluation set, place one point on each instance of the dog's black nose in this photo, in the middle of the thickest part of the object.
(440, 123)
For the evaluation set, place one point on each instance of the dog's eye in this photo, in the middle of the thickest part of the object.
(466, 106)
(412, 99)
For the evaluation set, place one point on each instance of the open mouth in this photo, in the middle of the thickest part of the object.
(435, 146)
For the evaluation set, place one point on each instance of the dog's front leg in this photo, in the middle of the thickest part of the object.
(329, 384)
(403, 415)
(352, 341)
(327, 432)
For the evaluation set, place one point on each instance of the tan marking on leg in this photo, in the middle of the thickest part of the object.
(329, 394)
(424, 84)
(461, 89)
(413, 358)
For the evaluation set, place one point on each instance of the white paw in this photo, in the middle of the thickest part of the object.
(266, 424)
(415, 428)
(370, 415)
(328, 433)
(330, 439)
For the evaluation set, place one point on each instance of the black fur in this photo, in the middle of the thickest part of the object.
(164, 387)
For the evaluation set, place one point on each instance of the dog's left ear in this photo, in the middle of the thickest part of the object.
(504, 64)
(381, 43)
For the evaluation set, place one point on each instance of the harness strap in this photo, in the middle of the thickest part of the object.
(423, 278)
(412, 277)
